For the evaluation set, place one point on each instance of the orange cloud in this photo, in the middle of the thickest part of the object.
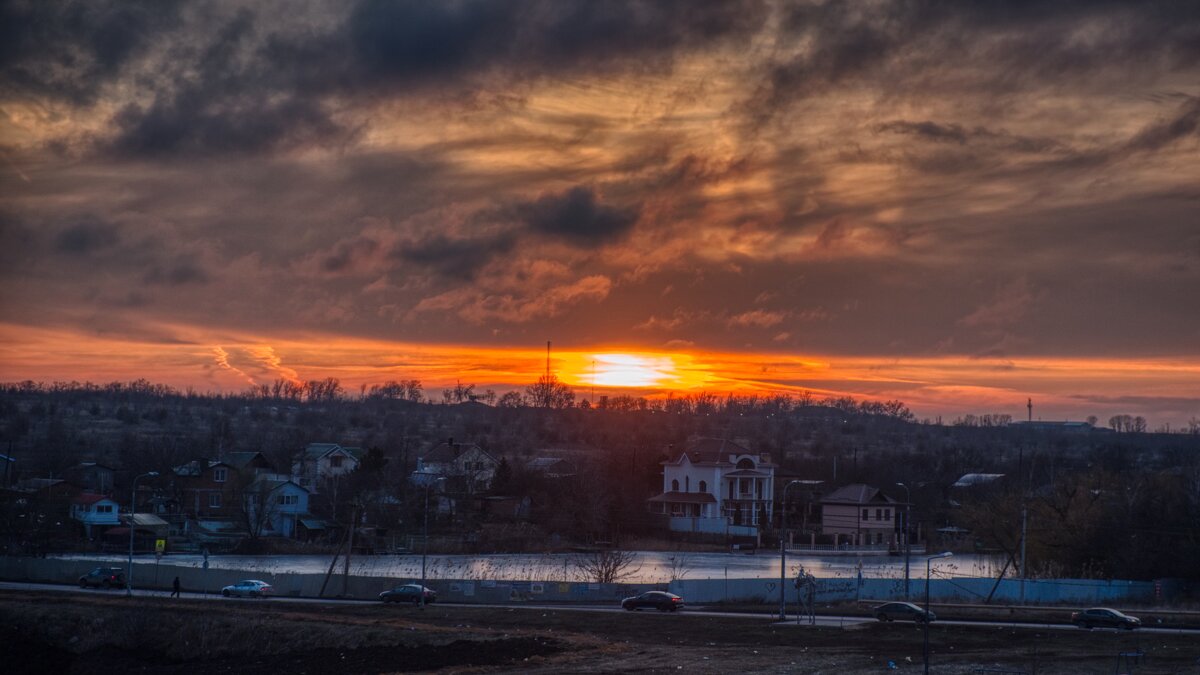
(222, 359)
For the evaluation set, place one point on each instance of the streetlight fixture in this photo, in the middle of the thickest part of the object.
(929, 560)
(783, 551)
(132, 511)
(907, 535)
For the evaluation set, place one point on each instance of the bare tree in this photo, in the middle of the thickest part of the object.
(607, 567)
(256, 506)
(680, 566)
(548, 392)
(510, 399)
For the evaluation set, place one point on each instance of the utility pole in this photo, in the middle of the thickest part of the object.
(349, 551)
(1024, 523)
(907, 525)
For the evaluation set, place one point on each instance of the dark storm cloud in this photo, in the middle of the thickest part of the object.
(903, 48)
(455, 258)
(69, 50)
(228, 104)
(250, 83)
(577, 215)
(86, 237)
(412, 40)
(928, 130)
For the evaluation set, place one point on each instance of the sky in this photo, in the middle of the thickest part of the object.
(961, 205)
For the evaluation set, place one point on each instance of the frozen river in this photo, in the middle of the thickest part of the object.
(647, 567)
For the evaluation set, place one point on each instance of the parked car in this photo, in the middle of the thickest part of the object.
(252, 588)
(903, 611)
(1095, 617)
(409, 593)
(662, 601)
(103, 577)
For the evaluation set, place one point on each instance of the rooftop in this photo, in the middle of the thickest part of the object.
(857, 493)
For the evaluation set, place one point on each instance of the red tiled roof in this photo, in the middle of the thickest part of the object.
(90, 498)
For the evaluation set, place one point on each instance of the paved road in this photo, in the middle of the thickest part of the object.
(822, 620)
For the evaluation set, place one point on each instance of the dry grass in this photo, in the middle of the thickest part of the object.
(115, 634)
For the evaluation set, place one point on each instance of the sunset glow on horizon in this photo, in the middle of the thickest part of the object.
(946, 386)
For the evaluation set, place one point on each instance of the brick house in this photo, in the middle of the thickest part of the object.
(212, 488)
(860, 515)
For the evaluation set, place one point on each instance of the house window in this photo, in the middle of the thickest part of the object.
(878, 514)
(287, 500)
(214, 500)
(887, 514)
(335, 462)
(703, 486)
(687, 483)
(866, 514)
(674, 486)
(220, 474)
(103, 508)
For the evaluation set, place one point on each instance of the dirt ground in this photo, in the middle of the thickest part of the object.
(58, 633)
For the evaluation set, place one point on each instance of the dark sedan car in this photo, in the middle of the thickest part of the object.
(409, 593)
(662, 601)
(903, 611)
(1102, 617)
(103, 577)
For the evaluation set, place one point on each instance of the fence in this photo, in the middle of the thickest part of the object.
(974, 589)
(147, 575)
(699, 591)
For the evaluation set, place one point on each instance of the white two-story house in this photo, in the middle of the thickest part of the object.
(717, 486)
(320, 463)
(96, 512)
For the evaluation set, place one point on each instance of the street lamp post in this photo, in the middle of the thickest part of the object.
(425, 479)
(783, 552)
(907, 534)
(929, 560)
(132, 511)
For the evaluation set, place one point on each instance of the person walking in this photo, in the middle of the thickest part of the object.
(175, 588)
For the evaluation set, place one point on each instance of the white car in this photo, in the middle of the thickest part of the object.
(252, 588)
